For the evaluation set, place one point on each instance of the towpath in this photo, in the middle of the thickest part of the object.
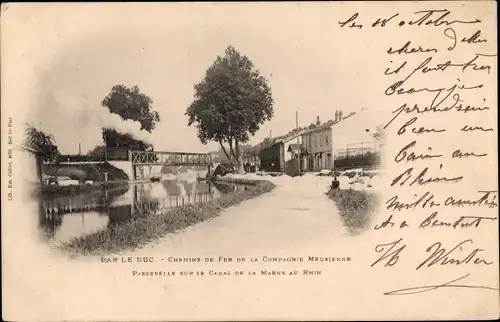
(295, 220)
(296, 215)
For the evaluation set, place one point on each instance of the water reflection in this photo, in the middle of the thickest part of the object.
(225, 188)
(65, 217)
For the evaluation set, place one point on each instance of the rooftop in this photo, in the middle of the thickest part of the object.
(296, 147)
(329, 123)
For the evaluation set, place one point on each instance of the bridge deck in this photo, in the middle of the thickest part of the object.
(145, 158)
(169, 158)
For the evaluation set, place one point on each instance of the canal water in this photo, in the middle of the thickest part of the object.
(63, 218)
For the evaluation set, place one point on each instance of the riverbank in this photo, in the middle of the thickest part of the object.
(51, 191)
(96, 172)
(356, 207)
(140, 231)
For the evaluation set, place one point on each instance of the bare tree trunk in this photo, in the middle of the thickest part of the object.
(231, 151)
(225, 152)
(57, 173)
(238, 158)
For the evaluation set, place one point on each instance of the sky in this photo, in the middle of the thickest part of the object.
(81, 51)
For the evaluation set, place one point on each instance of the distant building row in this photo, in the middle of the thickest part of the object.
(318, 147)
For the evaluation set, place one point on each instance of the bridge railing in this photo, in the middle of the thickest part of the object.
(169, 158)
(140, 157)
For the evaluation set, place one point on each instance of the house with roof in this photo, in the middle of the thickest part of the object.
(292, 146)
(344, 136)
(320, 145)
(272, 158)
(31, 160)
(277, 157)
(317, 146)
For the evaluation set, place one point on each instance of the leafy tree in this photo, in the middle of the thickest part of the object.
(98, 152)
(255, 150)
(267, 142)
(222, 155)
(131, 104)
(39, 141)
(246, 149)
(230, 103)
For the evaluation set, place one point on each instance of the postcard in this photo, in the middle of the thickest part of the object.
(249, 161)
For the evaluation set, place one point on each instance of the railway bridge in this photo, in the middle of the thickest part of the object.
(138, 160)
(134, 162)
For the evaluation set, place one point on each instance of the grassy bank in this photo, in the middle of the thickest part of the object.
(140, 231)
(356, 207)
(247, 182)
(117, 179)
(83, 172)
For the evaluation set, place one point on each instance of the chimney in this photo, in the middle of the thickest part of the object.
(317, 120)
(336, 115)
(341, 115)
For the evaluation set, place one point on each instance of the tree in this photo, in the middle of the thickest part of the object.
(222, 156)
(267, 142)
(246, 149)
(230, 104)
(98, 151)
(255, 151)
(41, 142)
(129, 104)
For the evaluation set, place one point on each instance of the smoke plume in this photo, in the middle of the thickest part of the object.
(74, 118)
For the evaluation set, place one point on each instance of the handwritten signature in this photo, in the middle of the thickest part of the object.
(439, 254)
(428, 288)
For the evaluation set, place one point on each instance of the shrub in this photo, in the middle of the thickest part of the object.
(356, 207)
(223, 169)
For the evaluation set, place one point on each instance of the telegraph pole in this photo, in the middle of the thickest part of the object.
(106, 148)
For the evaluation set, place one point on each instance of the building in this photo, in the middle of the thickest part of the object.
(292, 150)
(317, 144)
(30, 163)
(278, 154)
(272, 158)
(342, 137)
(323, 145)
(292, 146)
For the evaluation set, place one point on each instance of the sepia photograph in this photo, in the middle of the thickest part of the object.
(249, 161)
